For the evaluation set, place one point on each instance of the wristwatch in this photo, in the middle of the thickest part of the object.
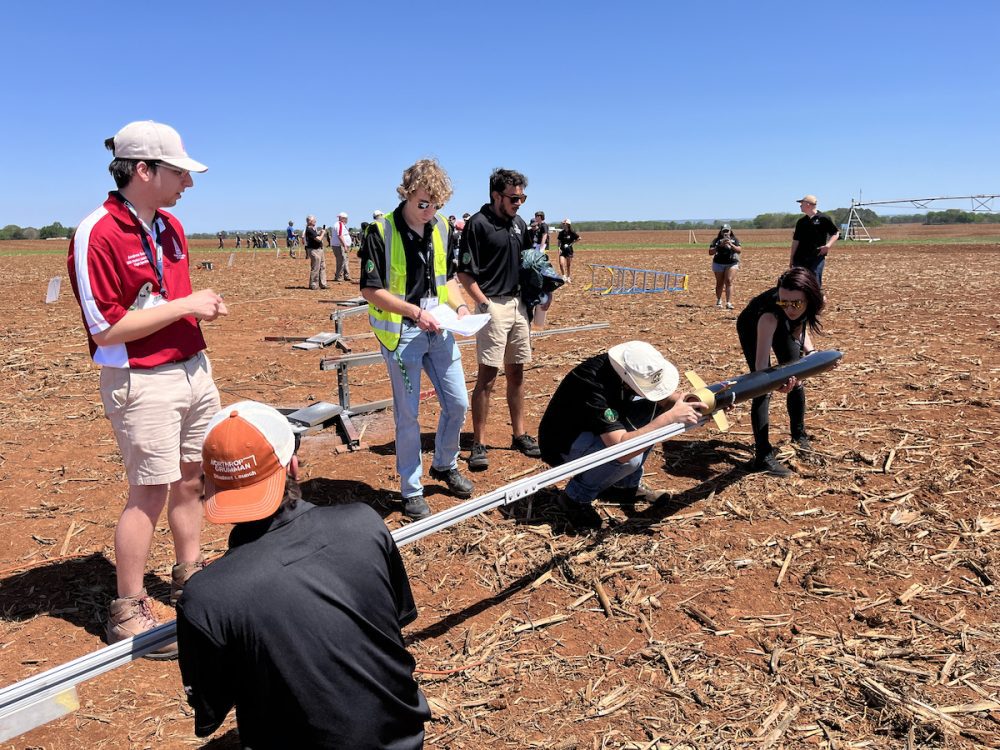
(483, 307)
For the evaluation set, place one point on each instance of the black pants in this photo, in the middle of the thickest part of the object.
(786, 349)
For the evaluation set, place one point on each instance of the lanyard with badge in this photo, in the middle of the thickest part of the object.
(146, 298)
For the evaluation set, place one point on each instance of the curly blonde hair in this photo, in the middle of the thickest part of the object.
(429, 175)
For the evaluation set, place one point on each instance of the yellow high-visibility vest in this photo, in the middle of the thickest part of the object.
(386, 325)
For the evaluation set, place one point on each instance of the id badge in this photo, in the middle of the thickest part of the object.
(428, 303)
(147, 298)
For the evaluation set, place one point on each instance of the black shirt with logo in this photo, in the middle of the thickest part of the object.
(298, 626)
(812, 232)
(591, 398)
(490, 252)
(419, 253)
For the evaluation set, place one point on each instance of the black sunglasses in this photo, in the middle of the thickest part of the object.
(422, 205)
(515, 198)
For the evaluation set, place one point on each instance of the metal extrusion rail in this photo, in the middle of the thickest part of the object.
(50, 694)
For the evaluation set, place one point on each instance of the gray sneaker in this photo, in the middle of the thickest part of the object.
(458, 484)
(478, 461)
(526, 444)
(415, 507)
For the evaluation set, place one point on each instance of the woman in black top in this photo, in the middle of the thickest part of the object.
(725, 252)
(780, 319)
(566, 239)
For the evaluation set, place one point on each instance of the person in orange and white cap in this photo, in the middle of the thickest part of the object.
(342, 248)
(129, 266)
(299, 624)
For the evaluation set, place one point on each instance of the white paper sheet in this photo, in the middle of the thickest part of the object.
(448, 319)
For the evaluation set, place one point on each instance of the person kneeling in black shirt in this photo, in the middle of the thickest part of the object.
(298, 624)
(624, 393)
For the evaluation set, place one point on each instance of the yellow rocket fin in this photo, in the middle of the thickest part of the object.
(705, 395)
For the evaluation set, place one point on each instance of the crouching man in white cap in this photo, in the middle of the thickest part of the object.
(298, 624)
(624, 393)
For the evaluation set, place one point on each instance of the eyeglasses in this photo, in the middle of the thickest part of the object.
(515, 198)
(175, 170)
(795, 304)
(424, 205)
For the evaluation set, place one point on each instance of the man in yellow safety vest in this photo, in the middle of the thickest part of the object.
(405, 274)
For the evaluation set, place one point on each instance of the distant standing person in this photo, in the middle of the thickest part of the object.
(566, 239)
(489, 267)
(290, 239)
(814, 238)
(128, 263)
(541, 238)
(239, 241)
(342, 249)
(780, 319)
(222, 244)
(317, 258)
(725, 251)
(408, 279)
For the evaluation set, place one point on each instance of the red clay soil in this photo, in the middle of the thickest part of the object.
(853, 605)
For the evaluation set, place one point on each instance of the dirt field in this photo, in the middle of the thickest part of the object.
(853, 606)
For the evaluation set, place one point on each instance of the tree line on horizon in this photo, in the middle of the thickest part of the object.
(787, 221)
(55, 230)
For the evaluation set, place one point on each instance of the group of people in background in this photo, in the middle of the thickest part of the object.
(302, 618)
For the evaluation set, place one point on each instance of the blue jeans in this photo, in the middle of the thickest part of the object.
(439, 357)
(583, 488)
(817, 268)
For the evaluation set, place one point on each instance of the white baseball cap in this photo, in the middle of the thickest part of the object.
(644, 369)
(342, 214)
(146, 139)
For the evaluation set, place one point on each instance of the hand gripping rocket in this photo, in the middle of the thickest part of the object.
(722, 395)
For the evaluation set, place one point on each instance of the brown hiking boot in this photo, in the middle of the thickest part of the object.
(179, 575)
(133, 615)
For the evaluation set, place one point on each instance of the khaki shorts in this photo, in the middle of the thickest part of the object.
(159, 416)
(506, 339)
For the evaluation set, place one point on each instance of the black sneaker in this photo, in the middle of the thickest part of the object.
(415, 507)
(477, 459)
(770, 464)
(802, 444)
(459, 485)
(580, 515)
(527, 445)
(633, 495)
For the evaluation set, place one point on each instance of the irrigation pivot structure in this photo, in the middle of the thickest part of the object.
(856, 229)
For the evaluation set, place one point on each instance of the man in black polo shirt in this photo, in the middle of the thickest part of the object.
(298, 624)
(814, 237)
(489, 267)
(624, 393)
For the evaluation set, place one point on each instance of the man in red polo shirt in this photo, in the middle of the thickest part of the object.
(128, 263)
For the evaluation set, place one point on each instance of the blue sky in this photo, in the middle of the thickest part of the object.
(628, 110)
